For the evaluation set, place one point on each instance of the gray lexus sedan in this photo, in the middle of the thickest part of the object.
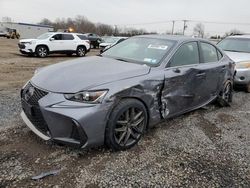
(115, 97)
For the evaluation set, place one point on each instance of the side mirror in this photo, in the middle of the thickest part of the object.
(52, 39)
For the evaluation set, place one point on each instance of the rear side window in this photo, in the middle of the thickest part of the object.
(209, 53)
(67, 37)
(187, 54)
(82, 37)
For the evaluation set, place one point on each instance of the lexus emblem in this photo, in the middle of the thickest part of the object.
(29, 93)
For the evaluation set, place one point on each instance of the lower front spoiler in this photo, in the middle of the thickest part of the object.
(32, 127)
(82, 143)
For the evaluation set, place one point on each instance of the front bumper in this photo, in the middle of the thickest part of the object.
(25, 48)
(242, 77)
(59, 120)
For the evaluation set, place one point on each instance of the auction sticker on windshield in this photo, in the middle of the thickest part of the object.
(158, 47)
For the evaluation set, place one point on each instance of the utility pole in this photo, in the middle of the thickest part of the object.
(173, 27)
(185, 26)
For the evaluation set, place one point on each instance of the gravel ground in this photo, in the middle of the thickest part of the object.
(209, 147)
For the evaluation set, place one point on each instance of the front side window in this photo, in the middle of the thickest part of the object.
(187, 54)
(209, 53)
(57, 37)
(67, 37)
(140, 50)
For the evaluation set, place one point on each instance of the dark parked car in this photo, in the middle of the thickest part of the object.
(94, 39)
(114, 97)
(108, 42)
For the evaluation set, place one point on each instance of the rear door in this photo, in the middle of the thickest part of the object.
(182, 80)
(69, 42)
(211, 72)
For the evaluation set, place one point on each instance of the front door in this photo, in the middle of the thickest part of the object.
(183, 80)
(56, 43)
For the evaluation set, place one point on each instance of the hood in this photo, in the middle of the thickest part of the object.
(85, 73)
(238, 56)
(27, 40)
(104, 44)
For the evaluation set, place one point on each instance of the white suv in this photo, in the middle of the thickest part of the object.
(55, 42)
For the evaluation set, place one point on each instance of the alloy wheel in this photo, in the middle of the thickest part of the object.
(42, 52)
(129, 126)
(81, 52)
(227, 93)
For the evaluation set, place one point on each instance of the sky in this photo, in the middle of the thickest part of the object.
(152, 15)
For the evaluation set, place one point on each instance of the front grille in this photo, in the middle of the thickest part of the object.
(21, 45)
(30, 96)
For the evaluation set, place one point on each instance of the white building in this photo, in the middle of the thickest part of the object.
(27, 30)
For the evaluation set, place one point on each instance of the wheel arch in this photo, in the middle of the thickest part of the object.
(42, 45)
(131, 97)
(81, 45)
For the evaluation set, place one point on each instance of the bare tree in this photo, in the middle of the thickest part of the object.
(45, 21)
(82, 25)
(233, 32)
(7, 19)
(199, 30)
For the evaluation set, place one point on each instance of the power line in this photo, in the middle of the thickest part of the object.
(202, 21)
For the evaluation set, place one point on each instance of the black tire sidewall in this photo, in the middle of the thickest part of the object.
(221, 101)
(37, 51)
(81, 47)
(115, 114)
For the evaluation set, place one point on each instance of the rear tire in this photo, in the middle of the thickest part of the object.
(226, 95)
(248, 87)
(81, 51)
(126, 125)
(42, 51)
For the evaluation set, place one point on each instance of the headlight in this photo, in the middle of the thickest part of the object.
(243, 65)
(87, 96)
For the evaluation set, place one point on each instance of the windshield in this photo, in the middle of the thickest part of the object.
(140, 50)
(235, 45)
(45, 36)
(111, 40)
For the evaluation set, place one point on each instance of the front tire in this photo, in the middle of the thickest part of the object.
(126, 124)
(42, 51)
(81, 51)
(226, 95)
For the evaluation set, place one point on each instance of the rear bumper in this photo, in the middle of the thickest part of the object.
(242, 77)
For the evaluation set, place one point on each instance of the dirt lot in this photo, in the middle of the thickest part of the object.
(206, 148)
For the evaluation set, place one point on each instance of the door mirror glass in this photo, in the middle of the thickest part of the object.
(52, 39)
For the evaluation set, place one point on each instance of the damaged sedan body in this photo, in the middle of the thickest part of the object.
(113, 98)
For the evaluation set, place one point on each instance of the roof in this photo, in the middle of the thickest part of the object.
(179, 38)
(240, 37)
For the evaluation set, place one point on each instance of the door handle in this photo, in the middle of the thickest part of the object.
(176, 70)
